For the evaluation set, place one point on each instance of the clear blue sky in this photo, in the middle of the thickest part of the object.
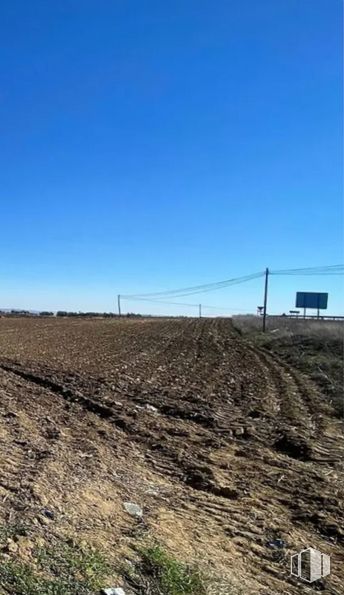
(148, 145)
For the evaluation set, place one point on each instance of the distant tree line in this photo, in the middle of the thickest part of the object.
(64, 313)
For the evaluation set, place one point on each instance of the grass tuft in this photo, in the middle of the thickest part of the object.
(63, 568)
(159, 573)
(172, 577)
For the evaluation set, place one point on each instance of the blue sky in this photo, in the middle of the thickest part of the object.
(147, 145)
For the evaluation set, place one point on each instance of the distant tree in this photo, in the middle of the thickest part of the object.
(46, 313)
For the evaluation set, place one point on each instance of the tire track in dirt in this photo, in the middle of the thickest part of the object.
(302, 408)
(24, 454)
(222, 406)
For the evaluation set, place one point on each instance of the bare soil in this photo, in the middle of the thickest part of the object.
(241, 449)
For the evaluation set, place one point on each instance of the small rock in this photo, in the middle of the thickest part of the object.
(153, 491)
(239, 431)
(149, 407)
(113, 591)
(277, 543)
(49, 514)
(133, 509)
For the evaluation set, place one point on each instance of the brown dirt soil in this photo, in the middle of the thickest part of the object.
(242, 449)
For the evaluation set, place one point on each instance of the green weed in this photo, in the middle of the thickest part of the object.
(159, 573)
(64, 568)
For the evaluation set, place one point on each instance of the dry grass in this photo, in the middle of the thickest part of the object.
(332, 329)
(314, 347)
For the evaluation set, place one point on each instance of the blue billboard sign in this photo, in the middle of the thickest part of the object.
(307, 299)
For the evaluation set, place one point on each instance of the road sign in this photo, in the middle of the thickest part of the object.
(307, 299)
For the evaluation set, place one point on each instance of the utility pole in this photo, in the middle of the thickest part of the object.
(119, 304)
(265, 297)
(200, 310)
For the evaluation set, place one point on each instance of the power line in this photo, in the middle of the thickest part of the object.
(336, 269)
(193, 290)
(197, 288)
(229, 283)
(154, 301)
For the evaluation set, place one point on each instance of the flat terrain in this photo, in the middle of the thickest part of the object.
(226, 447)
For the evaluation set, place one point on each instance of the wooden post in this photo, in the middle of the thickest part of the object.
(119, 304)
(265, 298)
(200, 310)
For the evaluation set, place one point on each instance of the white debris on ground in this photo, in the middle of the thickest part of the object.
(133, 509)
(151, 408)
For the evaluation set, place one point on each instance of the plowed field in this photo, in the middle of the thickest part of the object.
(235, 458)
